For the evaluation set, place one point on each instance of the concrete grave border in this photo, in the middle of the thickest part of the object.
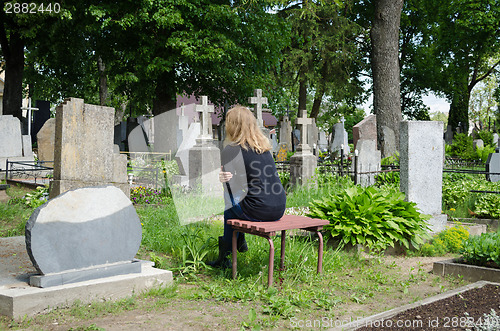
(367, 321)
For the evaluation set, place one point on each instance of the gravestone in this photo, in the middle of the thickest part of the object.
(182, 155)
(13, 145)
(83, 234)
(40, 116)
(83, 154)
(340, 138)
(204, 156)
(323, 141)
(120, 135)
(368, 162)
(46, 138)
(421, 164)
(286, 132)
(495, 140)
(448, 135)
(477, 143)
(313, 134)
(303, 163)
(258, 101)
(138, 141)
(493, 167)
(366, 129)
(274, 141)
(169, 131)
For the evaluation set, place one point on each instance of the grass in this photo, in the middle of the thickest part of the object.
(350, 284)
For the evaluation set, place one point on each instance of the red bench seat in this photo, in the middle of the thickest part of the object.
(269, 229)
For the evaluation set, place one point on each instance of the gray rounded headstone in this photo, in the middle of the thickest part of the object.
(83, 228)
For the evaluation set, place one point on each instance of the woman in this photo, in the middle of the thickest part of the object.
(252, 188)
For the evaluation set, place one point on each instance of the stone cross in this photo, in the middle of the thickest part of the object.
(206, 120)
(28, 114)
(304, 122)
(183, 109)
(258, 101)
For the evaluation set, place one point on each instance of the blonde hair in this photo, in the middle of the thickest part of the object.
(242, 129)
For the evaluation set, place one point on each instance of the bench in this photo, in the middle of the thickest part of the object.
(269, 229)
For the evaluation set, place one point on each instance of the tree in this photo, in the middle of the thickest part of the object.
(453, 44)
(385, 69)
(322, 60)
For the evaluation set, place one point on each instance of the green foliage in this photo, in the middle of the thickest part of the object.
(37, 197)
(373, 217)
(483, 250)
(449, 240)
(456, 194)
(462, 147)
(483, 152)
(390, 160)
(486, 136)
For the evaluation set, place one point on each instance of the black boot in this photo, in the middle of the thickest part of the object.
(241, 244)
(224, 252)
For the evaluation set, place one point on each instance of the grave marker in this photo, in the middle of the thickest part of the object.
(258, 101)
(421, 164)
(83, 154)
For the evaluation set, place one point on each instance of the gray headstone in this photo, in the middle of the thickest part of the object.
(11, 142)
(495, 139)
(366, 129)
(286, 133)
(477, 143)
(46, 140)
(340, 138)
(421, 162)
(369, 161)
(83, 228)
(448, 135)
(83, 154)
(169, 131)
(323, 141)
(493, 167)
(182, 155)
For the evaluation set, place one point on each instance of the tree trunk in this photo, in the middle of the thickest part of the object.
(103, 82)
(165, 94)
(459, 107)
(385, 68)
(14, 67)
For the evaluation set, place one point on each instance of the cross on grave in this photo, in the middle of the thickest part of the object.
(258, 101)
(206, 120)
(183, 109)
(28, 114)
(304, 122)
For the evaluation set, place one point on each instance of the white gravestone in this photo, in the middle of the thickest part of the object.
(303, 163)
(368, 162)
(258, 101)
(421, 162)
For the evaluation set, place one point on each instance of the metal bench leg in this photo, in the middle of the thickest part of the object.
(271, 261)
(320, 252)
(282, 261)
(234, 252)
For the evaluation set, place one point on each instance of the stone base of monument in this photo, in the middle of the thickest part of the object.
(60, 186)
(79, 275)
(437, 223)
(19, 299)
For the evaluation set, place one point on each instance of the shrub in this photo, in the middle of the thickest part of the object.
(483, 250)
(486, 136)
(462, 147)
(375, 217)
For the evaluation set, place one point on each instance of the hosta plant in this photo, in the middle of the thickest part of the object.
(374, 217)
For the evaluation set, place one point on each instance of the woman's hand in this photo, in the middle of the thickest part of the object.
(224, 176)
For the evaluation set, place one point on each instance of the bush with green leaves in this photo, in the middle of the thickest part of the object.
(462, 147)
(486, 136)
(374, 217)
(450, 240)
(483, 250)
